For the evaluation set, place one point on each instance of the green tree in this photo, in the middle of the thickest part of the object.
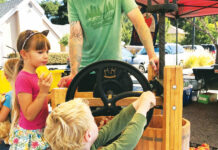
(62, 16)
(50, 7)
(126, 31)
(56, 10)
(2, 1)
(206, 31)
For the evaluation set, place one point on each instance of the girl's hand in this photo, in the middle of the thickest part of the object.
(45, 83)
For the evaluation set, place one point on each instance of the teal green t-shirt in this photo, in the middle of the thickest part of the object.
(101, 24)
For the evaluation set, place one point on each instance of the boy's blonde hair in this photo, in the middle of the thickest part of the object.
(67, 124)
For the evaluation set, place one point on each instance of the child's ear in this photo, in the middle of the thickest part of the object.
(23, 53)
(87, 136)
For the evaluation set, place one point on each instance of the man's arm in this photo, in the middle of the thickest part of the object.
(144, 33)
(75, 51)
(75, 46)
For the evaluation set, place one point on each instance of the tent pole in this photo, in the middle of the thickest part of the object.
(176, 41)
(193, 34)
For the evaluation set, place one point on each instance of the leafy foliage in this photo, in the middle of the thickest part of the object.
(57, 58)
(64, 40)
(2, 1)
(206, 31)
(200, 36)
(53, 58)
(62, 16)
(198, 58)
(50, 7)
(56, 10)
(126, 31)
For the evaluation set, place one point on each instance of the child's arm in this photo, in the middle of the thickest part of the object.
(6, 107)
(4, 112)
(133, 131)
(130, 136)
(115, 126)
(31, 108)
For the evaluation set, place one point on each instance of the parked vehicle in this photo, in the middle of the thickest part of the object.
(141, 59)
(127, 56)
(195, 47)
(210, 47)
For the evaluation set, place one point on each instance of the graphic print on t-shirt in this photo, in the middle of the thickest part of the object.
(98, 17)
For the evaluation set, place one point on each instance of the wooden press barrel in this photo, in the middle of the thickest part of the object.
(152, 138)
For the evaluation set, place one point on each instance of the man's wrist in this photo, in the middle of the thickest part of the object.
(73, 72)
(151, 54)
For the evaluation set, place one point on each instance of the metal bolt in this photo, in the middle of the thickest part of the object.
(174, 107)
(174, 86)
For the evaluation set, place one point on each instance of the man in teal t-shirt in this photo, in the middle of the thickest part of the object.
(95, 32)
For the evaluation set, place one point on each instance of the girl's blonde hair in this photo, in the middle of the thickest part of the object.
(27, 40)
(9, 71)
(66, 125)
(9, 68)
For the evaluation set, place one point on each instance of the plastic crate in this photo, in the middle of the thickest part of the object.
(56, 75)
(208, 97)
(5, 85)
(203, 98)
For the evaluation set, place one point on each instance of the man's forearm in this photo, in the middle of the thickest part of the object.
(75, 51)
(146, 39)
(75, 46)
(143, 31)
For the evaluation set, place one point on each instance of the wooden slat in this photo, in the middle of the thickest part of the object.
(94, 102)
(58, 96)
(129, 100)
(84, 94)
(172, 112)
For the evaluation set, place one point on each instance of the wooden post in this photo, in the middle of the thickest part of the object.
(58, 96)
(172, 113)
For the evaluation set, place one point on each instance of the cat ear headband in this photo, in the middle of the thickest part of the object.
(31, 33)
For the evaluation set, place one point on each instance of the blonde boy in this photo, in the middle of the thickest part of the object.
(71, 126)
